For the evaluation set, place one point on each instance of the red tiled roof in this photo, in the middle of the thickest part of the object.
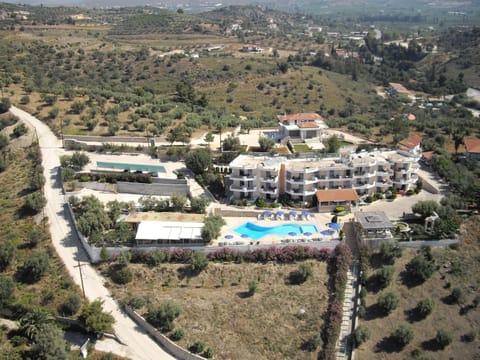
(301, 116)
(308, 125)
(427, 154)
(411, 142)
(337, 195)
(472, 145)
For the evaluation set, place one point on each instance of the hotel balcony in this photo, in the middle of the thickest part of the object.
(363, 186)
(270, 191)
(243, 177)
(384, 172)
(269, 179)
(412, 180)
(239, 188)
(298, 192)
(383, 185)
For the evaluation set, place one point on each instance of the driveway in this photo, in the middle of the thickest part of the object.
(138, 344)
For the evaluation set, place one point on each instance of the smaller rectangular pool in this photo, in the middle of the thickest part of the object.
(256, 232)
(135, 167)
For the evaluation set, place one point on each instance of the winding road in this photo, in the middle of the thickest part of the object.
(139, 346)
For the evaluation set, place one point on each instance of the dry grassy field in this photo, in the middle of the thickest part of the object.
(455, 269)
(217, 309)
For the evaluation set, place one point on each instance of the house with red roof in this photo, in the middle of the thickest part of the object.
(411, 144)
(301, 126)
(472, 145)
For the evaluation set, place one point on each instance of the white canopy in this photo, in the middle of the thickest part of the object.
(169, 230)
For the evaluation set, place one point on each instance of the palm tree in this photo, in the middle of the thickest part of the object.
(31, 322)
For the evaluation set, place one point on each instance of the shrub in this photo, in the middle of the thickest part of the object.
(7, 252)
(19, 130)
(94, 319)
(457, 296)
(443, 338)
(403, 335)
(313, 343)
(252, 287)
(208, 353)
(163, 315)
(301, 275)
(7, 290)
(385, 275)
(425, 307)
(71, 305)
(198, 262)
(420, 268)
(389, 252)
(121, 275)
(34, 202)
(388, 301)
(197, 347)
(177, 335)
(4, 105)
(360, 335)
(35, 267)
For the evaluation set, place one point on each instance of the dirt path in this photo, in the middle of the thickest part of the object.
(138, 344)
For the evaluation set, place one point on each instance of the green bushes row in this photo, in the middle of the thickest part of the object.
(338, 269)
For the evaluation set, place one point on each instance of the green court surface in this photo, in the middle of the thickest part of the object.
(135, 167)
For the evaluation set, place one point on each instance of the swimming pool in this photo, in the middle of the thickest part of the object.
(256, 232)
(136, 167)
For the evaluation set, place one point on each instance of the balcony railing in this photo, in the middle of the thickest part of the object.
(239, 188)
(270, 179)
(247, 177)
(271, 191)
(301, 192)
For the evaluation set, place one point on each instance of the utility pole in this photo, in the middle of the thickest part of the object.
(61, 132)
(81, 277)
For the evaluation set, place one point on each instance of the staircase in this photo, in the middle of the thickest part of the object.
(343, 343)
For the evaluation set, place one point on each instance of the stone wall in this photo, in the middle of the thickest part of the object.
(162, 340)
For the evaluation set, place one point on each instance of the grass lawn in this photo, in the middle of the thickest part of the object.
(217, 310)
(456, 268)
(299, 148)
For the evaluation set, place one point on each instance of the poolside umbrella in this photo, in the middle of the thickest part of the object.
(280, 213)
(334, 226)
(292, 233)
(245, 236)
(267, 213)
(292, 213)
(229, 237)
(308, 233)
(325, 232)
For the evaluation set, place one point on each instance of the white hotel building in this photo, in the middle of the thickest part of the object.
(267, 177)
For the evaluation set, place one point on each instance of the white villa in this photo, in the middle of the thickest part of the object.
(301, 126)
(268, 177)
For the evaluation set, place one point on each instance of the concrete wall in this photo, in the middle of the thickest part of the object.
(165, 342)
(97, 186)
(92, 252)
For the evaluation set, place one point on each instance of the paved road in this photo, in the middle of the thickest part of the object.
(139, 346)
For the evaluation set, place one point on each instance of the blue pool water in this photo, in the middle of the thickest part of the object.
(256, 232)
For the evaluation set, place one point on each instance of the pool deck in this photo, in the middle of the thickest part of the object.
(318, 219)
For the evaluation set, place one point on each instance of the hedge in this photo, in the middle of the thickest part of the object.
(338, 268)
(283, 255)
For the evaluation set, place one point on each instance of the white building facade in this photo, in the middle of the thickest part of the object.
(268, 177)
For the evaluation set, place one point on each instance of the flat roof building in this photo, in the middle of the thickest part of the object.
(269, 177)
(373, 228)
